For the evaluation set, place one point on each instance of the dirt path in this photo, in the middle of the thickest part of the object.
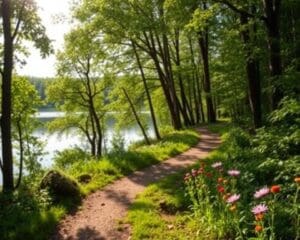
(100, 211)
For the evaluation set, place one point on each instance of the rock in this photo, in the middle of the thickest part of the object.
(84, 178)
(60, 186)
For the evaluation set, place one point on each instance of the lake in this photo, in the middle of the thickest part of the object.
(57, 142)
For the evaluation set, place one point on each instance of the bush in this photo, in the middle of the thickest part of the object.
(67, 157)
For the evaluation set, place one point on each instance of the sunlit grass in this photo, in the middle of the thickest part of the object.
(114, 166)
(161, 212)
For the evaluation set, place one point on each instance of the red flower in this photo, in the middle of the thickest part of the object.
(209, 175)
(221, 189)
(258, 228)
(275, 189)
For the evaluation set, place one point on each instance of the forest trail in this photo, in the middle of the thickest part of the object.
(100, 211)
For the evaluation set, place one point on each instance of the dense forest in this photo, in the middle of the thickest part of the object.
(231, 65)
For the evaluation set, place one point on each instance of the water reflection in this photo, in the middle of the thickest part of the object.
(58, 142)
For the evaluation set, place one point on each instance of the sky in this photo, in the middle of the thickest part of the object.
(49, 11)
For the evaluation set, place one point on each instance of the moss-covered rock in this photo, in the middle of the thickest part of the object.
(60, 186)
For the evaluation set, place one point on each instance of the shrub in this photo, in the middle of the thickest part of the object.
(67, 157)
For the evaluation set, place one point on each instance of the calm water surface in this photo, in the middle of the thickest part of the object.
(57, 142)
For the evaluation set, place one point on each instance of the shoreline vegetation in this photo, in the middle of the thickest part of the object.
(32, 213)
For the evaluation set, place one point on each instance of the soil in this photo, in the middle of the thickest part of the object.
(98, 217)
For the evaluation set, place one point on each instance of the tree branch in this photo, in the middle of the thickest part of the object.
(19, 21)
(240, 11)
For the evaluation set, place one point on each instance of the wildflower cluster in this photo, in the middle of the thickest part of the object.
(215, 195)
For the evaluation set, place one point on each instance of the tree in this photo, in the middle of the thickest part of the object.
(270, 16)
(149, 99)
(25, 101)
(80, 87)
(145, 25)
(19, 22)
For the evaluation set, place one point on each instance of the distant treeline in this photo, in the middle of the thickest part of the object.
(40, 84)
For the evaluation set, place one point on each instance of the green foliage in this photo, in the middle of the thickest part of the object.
(117, 144)
(31, 28)
(64, 159)
(26, 213)
(25, 102)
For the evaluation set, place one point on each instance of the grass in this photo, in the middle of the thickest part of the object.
(159, 212)
(31, 215)
(116, 165)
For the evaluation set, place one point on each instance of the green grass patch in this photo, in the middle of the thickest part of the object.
(116, 165)
(161, 212)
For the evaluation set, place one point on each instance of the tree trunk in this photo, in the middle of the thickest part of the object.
(99, 134)
(203, 43)
(153, 117)
(253, 74)
(186, 109)
(136, 116)
(7, 157)
(198, 98)
(197, 112)
(98, 128)
(164, 77)
(200, 101)
(94, 135)
(19, 128)
(171, 84)
(272, 22)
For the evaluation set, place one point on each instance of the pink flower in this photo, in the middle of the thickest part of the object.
(194, 173)
(234, 173)
(217, 165)
(261, 192)
(233, 198)
(200, 170)
(187, 177)
(259, 209)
